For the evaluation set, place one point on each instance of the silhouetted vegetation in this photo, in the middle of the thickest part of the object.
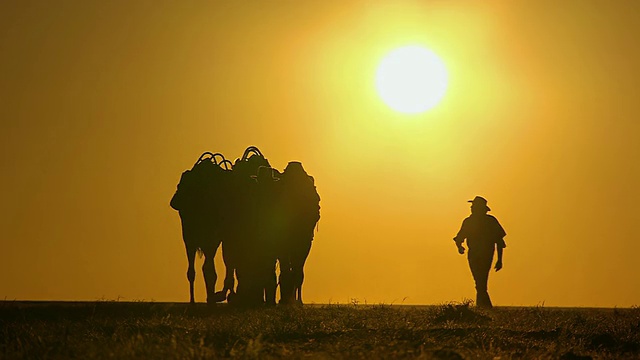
(459, 313)
(449, 331)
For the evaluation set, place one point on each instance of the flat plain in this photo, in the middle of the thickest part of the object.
(153, 330)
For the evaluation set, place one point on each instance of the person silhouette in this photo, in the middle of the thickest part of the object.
(483, 234)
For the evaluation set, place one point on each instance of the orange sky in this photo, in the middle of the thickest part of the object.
(104, 104)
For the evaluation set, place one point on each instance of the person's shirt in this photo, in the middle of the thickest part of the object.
(483, 233)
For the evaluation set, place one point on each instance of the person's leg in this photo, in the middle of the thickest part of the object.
(480, 267)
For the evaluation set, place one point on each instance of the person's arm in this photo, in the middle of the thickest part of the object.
(499, 261)
(500, 244)
(460, 237)
(460, 248)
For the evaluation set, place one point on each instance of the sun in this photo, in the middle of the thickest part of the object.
(411, 79)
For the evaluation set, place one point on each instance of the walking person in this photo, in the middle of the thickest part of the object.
(484, 235)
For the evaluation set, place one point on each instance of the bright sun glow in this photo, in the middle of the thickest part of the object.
(411, 79)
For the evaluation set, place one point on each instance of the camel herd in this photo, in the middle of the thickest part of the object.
(262, 218)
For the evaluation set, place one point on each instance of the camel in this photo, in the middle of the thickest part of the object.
(197, 200)
(299, 204)
(257, 220)
(238, 246)
(274, 224)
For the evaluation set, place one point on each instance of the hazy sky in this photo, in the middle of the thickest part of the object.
(104, 103)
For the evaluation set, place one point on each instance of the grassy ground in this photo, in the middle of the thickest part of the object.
(450, 331)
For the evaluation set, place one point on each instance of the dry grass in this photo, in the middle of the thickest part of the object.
(449, 331)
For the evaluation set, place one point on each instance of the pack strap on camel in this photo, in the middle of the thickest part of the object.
(251, 150)
(251, 160)
(207, 155)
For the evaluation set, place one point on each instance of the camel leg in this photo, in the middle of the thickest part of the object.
(285, 280)
(229, 280)
(270, 283)
(191, 272)
(297, 268)
(287, 292)
(229, 265)
(209, 272)
(298, 280)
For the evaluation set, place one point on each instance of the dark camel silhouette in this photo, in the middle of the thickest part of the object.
(286, 212)
(259, 220)
(239, 246)
(300, 207)
(268, 236)
(198, 201)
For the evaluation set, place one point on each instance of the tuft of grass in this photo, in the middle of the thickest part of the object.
(459, 313)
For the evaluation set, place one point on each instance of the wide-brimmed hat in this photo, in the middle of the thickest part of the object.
(294, 167)
(265, 173)
(479, 201)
